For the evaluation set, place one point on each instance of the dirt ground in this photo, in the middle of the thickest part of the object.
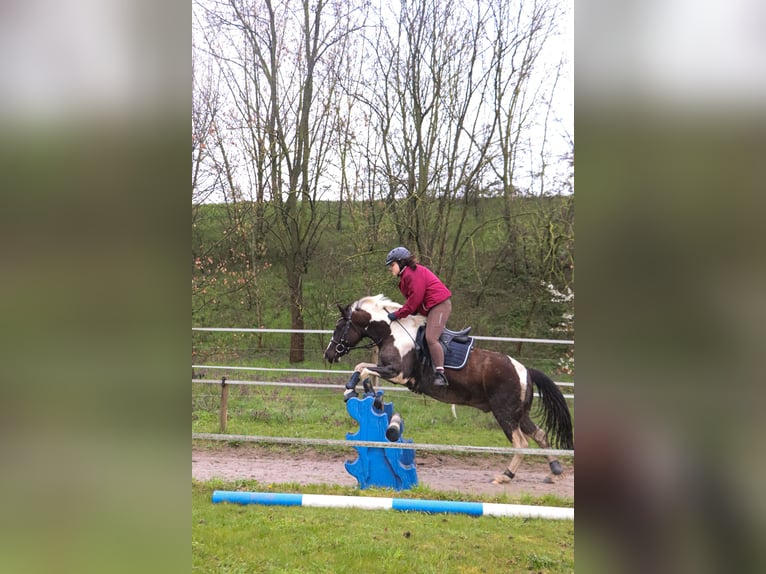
(471, 475)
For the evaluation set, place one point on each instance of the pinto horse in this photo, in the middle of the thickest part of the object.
(489, 381)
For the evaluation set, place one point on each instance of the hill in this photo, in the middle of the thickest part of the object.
(499, 269)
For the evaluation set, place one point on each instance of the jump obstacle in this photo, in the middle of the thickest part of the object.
(381, 467)
(401, 504)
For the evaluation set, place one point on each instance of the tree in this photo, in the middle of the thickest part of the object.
(400, 114)
(205, 108)
(280, 61)
(453, 93)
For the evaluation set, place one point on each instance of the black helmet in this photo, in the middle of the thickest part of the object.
(397, 254)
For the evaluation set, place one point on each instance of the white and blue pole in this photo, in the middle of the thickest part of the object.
(402, 504)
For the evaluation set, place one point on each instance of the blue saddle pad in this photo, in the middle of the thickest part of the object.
(456, 355)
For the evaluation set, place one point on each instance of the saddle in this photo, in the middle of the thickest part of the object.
(457, 346)
(458, 336)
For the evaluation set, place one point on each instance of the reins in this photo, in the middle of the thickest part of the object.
(414, 342)
(367, 346)
(343, 348)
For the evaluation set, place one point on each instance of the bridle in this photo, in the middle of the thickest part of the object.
(342, 346)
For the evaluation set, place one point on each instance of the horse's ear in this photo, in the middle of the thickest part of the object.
(343, 310)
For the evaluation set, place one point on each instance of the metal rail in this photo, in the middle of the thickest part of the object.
(376, 444)
(308, 385)
(328, 332)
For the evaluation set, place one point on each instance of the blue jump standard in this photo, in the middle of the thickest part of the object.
(381, 467)
(401, 504)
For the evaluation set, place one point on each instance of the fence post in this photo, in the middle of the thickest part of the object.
(224, 404)
(375, 359)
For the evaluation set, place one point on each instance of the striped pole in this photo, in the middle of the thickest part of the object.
(402, 504)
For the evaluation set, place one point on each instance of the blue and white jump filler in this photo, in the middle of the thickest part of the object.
(386, 503)
(381, 467)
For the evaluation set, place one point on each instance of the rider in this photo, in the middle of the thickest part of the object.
(426, 295)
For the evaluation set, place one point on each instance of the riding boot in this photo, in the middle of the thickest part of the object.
(440, 380)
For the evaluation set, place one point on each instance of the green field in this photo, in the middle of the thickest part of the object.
(498, 279)
(230, 538)
(321, 413)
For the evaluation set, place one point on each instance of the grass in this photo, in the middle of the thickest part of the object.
(254, 539)
(497, 281)
(321, 413)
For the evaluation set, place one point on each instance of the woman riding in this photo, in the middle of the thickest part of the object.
(426, 295)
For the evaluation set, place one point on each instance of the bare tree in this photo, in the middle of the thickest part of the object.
(280, 60)
(205, 108)
(407, 115)
(453, 93)
(521, 32)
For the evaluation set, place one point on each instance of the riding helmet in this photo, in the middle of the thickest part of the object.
(397, 254)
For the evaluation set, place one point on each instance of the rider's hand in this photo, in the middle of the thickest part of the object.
(391, 316)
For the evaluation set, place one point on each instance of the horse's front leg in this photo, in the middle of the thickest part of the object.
(387, 372)
(365, 370)
(351, 387)
(361, 371)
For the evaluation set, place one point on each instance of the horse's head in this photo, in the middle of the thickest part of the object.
(349, 330)
(367, 317)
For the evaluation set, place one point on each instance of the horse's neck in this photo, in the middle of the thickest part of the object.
(377, 332)
(405, 333)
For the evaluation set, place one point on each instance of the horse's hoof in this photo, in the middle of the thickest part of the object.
(548, 480)
(556, 467)
(501, 479)
(394, 429)
(348, 394)
(393, 434)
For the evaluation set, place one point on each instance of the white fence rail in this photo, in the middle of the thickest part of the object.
(377, 444)
(327, 332)
(315, 385)
(291, 370)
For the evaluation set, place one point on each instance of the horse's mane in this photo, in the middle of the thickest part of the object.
(379, 306)
(376, 302)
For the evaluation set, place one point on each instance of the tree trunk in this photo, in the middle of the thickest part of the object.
(295, 287)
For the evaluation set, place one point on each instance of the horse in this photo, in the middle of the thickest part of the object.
(489, 381)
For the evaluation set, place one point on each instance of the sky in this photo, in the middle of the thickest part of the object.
(560, 129)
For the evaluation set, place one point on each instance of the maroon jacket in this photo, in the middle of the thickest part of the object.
(423, 290)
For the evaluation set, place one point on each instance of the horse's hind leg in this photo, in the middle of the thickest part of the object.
(507, 412)
(519, 441)
(538, 435)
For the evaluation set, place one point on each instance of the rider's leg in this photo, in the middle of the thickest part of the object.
(437, 320)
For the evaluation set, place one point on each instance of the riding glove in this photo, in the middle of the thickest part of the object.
(391, 316)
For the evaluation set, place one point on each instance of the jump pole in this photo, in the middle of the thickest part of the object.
(401, 504)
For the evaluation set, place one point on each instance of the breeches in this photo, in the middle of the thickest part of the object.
(435, 323)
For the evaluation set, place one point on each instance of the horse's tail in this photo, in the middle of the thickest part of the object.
(556, 418)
